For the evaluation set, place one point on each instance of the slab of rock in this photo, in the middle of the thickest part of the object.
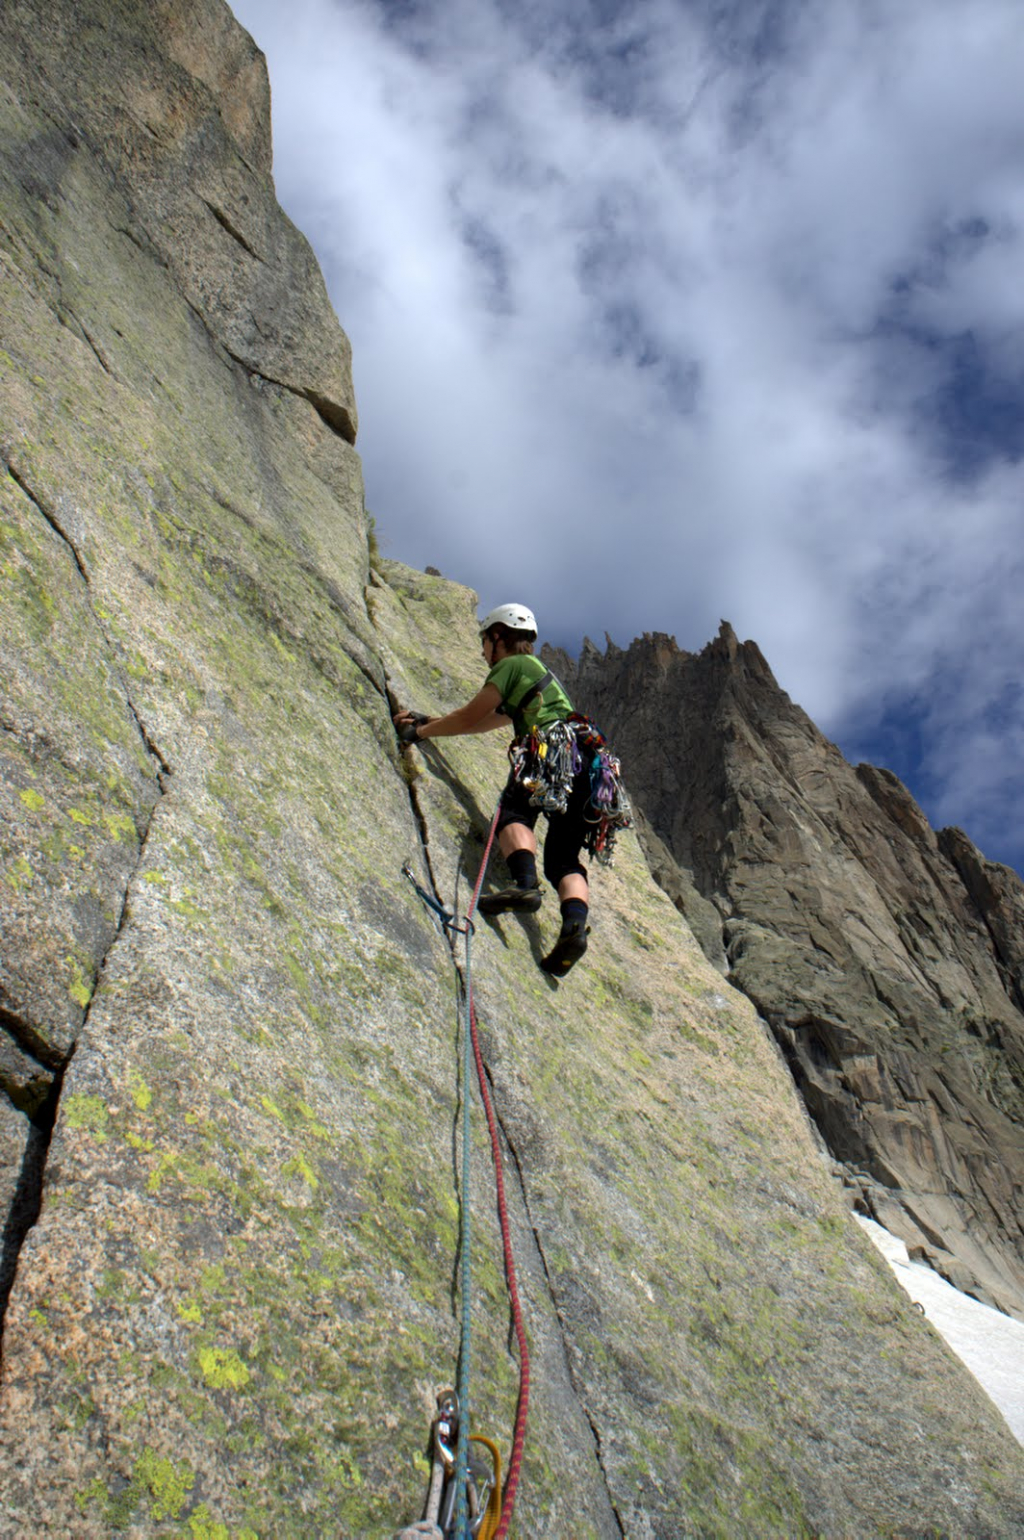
(172, 99)
(232, 1296)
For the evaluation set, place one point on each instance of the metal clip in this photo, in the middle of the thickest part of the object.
(446, 1428)
(442, 1484)
(445, 916)
(487, 1490)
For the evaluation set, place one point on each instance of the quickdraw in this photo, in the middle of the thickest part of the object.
(483, 1481)
(545, 762)
(609, 808)
(443, 915)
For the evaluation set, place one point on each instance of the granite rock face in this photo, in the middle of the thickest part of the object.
(172, 101)
(887, 958)
(229, 1027)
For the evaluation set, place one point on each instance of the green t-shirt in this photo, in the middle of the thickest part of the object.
(514, 677)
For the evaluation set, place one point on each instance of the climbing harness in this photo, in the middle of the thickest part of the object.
(546, 760)
(476, 1516)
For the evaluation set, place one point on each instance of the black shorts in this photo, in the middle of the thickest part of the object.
(564, 839)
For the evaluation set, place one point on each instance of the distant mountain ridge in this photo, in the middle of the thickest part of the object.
(887, 958)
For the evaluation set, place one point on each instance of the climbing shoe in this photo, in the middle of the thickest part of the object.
(522, 900)
(567, 950)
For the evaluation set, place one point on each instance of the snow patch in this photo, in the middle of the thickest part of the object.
(990, 1344)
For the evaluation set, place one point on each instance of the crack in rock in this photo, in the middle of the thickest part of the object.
(27, 1200)
(331, 413)
(49, 515)
(77, 328)
(231, 229)
(562, 1334)
(32, 1071)
(24, 1078)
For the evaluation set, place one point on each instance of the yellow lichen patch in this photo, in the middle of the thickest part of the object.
(142, 1095)
(223, 1368)
(168, 1484)
(203, 1526)
(271, 1106)
(120, 827)
(87, 1113)
(32, 800)
(78, 989)
(168, 1160)
(19, 873)
(299, 1166)
(316, 1128)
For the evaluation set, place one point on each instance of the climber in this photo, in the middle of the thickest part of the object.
(519, 686)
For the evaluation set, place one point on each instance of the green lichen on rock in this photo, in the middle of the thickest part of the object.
(238, 1302)
(83, 1111)
(223, 1368)
(158, 1485)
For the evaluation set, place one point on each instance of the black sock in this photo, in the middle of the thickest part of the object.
(522, 865)
(574, 914)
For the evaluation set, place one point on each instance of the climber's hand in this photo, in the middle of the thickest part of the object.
(407, 724)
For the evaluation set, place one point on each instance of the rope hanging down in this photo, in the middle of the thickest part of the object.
(472, 1054)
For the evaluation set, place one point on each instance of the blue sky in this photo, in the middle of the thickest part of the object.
(668, 312)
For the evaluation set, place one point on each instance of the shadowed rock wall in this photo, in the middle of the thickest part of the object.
(229, 1023)
(887, 959)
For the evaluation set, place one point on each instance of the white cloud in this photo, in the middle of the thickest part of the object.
(651, 326)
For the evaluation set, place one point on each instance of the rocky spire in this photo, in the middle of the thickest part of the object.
(887, 959)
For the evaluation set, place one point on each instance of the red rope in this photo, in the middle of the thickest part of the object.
(519, 1435)
(483, 863)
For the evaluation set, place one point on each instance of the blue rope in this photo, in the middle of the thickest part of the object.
(450, 926)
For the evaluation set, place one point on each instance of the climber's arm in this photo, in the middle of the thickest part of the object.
(477, 716)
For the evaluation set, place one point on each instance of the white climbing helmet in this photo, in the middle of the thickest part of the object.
(516, 616)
